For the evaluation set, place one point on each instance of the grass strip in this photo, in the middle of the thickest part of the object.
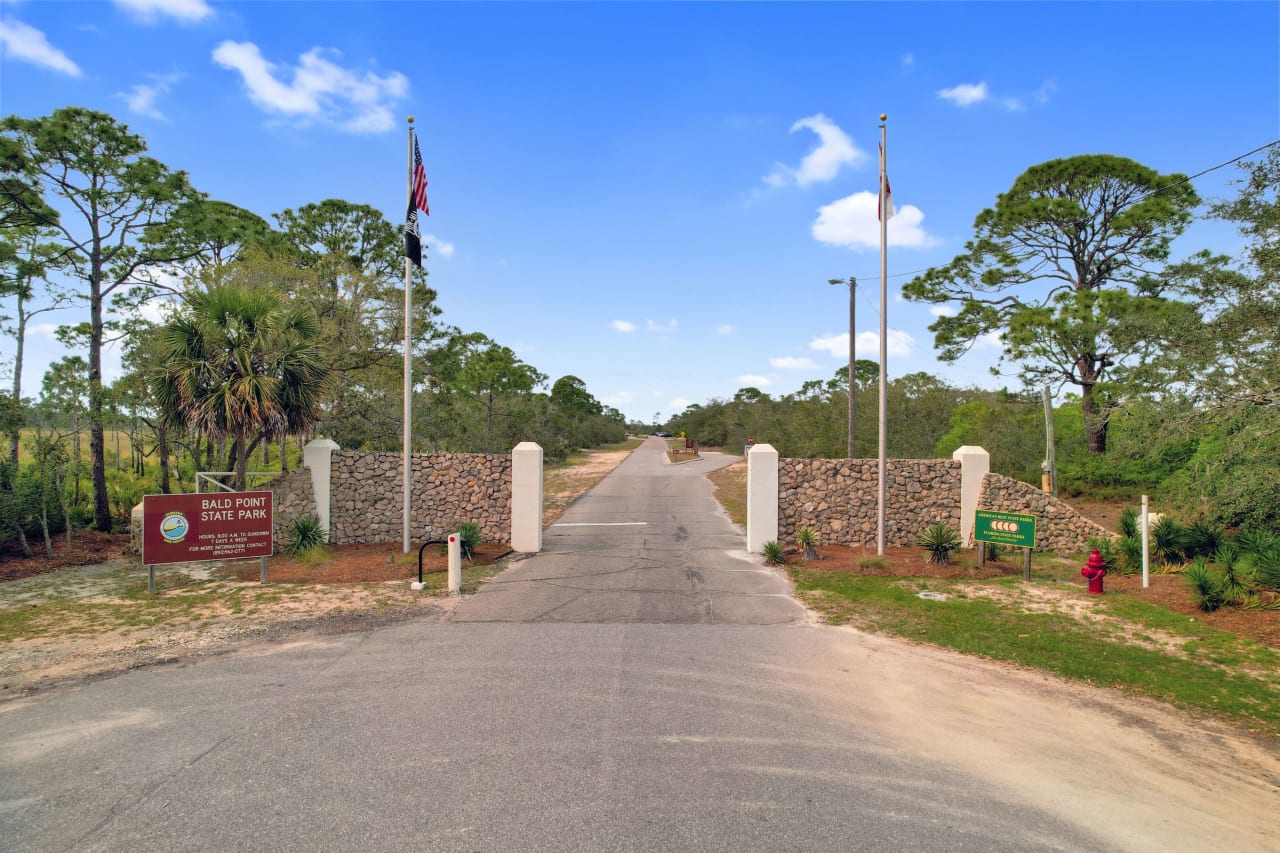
(1055, 642)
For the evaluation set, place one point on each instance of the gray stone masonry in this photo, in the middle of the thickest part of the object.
(448, 489)
(1059, 528)
(838, 498)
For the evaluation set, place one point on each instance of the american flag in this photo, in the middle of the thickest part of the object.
(419, 180)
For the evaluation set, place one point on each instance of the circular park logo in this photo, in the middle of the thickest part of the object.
(174, 527)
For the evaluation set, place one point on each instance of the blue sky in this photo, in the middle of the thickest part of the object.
(651, 196)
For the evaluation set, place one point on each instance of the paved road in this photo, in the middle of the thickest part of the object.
(520, 724)
(649, 544)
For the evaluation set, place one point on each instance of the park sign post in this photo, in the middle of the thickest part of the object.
(192, 528)
(1014, 529)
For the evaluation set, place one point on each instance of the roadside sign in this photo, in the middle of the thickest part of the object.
(1005, 528)
(191, 528)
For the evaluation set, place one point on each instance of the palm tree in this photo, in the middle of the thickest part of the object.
(237, 363)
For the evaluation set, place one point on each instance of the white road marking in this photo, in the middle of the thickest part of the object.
(602, 524)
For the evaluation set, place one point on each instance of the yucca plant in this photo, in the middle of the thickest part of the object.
(1203, 539)
(1130, 555)
(1206, 587)
(991, 552)
(1255, 542)
(1129, 522)
(1168, 542)
(939, 540)
(469, 536)
(807, 537)
(774, 553)
(1266, 566)
(1237, 581)
(303, 534)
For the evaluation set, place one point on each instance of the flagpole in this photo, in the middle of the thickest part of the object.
(884, 334)
(407, 462)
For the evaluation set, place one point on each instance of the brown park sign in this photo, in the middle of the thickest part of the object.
(190, 528)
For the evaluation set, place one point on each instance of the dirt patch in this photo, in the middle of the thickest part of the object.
(362, 564)
(88, 547)
(900, 562)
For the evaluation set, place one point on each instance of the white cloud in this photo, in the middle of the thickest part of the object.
(664, 328)
(679, 404)
(907, 59)
(623, 326)
(755, 380)
(27, 44)
(851, 222)
(990, 340)
(866, 344)
(942, 311)
(619, 398)
(834, 149)
(966, 94)
(153, 10)
(354, 101)
(443, 247)
(142, 97)
(792, 363)
(724, 329)
(43, 330)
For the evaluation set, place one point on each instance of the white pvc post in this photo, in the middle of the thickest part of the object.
(1146, 548)
(975, 464)
(455, 564)
(526, 498)
(318, 457)
(762, 497)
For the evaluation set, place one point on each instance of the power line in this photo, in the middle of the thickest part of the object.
(1156, 191)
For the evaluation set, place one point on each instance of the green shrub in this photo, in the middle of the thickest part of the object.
(1206, 587)
(1203, 539)
(469, 536)
(773, 552)
(1266, 566)
(1168, 542)
(303, 534)
(1253, 542)
(1129, 522)
(807, 537)
(879, 564)
(1130, 561)
(991, 552)
(939, 540)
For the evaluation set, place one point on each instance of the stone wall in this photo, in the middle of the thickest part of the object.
(447, 489)
(1058, 527)
(291, 498)
(838, 498)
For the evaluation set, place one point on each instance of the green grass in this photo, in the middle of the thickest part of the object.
(1217, 672)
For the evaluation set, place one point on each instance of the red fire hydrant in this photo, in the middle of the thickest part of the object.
(1095, 570)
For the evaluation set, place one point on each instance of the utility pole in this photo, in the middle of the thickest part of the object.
(853, 286)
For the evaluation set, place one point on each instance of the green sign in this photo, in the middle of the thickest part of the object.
(1005, 528)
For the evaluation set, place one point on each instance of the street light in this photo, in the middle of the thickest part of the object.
(853, 286)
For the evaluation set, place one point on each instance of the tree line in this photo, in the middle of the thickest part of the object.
(273, 331)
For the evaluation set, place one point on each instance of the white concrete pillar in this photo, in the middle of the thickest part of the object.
(762, 496)
(318, 457)
(455, 564)
(526, 498)
(975, 463)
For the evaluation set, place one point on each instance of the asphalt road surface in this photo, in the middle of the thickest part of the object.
(641, 685)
